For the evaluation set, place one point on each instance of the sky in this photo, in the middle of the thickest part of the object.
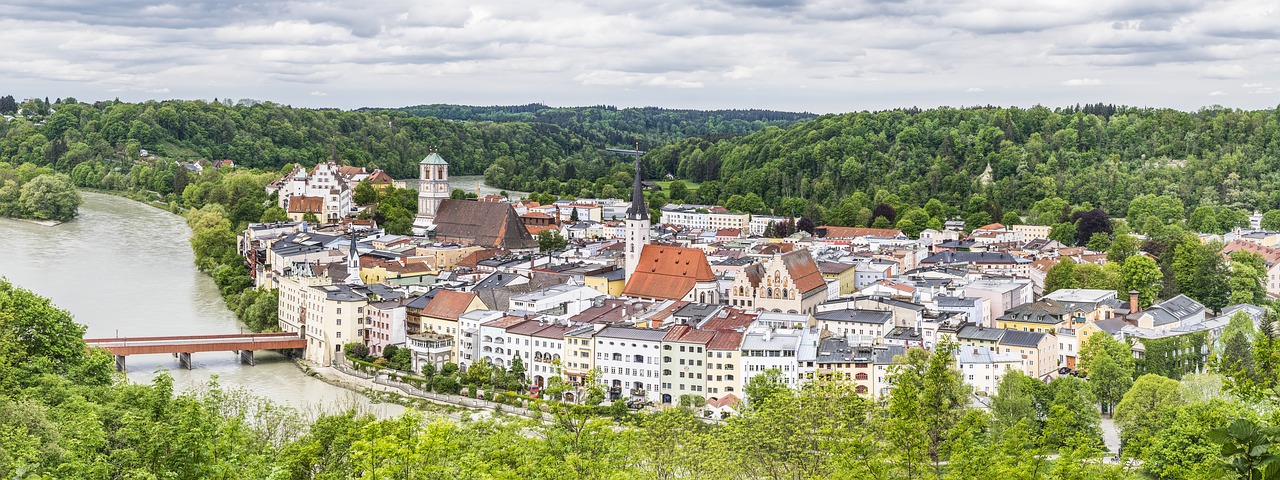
(821, 56)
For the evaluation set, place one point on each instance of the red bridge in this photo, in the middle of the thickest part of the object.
(243, 344)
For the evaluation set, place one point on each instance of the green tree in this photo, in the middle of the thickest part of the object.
(764, 386)
(1099, 242)
(1271, 220)
(1109, 365)
(50, 197)
(1143, 411)
(274, 214)
(1142, 274)
(928, 398)
(677, 190)
(1122, 247)
(1061, 275)
(364, 194)
(551, 239)
(1064, 233)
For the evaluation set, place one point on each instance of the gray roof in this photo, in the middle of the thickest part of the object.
(838, 350)
(1177, 309)
(973, 257)
(876, 317)
(1021, 339)
(885, 355)
(972, 332)
(632, 333)
(756, 341)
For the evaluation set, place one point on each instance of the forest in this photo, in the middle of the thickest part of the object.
(64, 413)
(36, 193)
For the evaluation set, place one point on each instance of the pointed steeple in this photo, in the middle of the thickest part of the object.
(353, 263)
(637, 210)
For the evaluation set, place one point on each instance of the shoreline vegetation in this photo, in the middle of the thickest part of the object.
(36, 194)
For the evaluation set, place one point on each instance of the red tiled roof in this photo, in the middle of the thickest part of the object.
(803, 270)
(991, 226)
(1270, 255)
(726, 341)
(448, 304)
(379, 177)
(668, 273)
(302, 204)
(726, 401)
(854, 232)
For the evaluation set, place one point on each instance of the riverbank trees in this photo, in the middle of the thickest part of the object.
(39, 193)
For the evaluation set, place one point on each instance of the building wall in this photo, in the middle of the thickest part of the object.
(724, 373)
(624, 372)
(684, 371)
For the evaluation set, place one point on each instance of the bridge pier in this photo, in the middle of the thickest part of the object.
(246, 357)
(119, 363)
(184, 360)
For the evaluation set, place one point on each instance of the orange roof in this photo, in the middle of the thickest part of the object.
(379, 177)
(448, 304)
(302, 204)
(729, 232)
(1270, 255)
(538, 215)
(726, 340)
(990, 226)
(726, 401)
(668, 273)
(536, 229)
(854, 232)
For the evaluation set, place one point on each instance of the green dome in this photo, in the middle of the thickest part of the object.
(433, 159)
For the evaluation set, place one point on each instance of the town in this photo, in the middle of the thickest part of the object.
(689, 307)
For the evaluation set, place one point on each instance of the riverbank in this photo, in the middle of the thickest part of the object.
(43, 223)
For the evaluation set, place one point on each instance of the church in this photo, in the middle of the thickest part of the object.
(657, 272)
(465, 222)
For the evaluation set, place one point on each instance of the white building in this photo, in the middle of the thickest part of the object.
(469, 342)
(766, 349)
(433, 188)
(560, 300)
(325, 181)
(629, 360)
(983, 369)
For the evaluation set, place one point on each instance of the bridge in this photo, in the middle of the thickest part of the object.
(243, 344)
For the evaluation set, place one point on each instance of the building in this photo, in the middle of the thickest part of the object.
(684, 369)
(1038, 351)
(637, 226)
(858, 327)
(673, 273)
(1270, 261)
(982, 368)
(433, 189)
(629, 360)
(561, 299)
(469, 343)
(788, 282)
(723, 365)
(991, 263)
(482, 224)
(770, 349)
(385, 325)
(325, 182)
(441, 313)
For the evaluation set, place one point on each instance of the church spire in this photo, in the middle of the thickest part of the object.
(637, 210)
(353, 263)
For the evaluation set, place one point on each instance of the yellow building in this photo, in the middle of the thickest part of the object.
(609, 283)
(445, 255)
(843, 273)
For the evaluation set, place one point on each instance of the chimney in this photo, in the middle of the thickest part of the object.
(1133, 302)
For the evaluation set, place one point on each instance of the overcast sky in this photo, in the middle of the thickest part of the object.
(813, 55)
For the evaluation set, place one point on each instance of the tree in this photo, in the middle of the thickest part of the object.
(805, 224)
(50, 197)
(310, 217)
(1091, 222)
(517, 373)
(1061, 275)
(1017, 401)
(1121, 248)
(1249, 448)
(1098, 242)
(677, 190)
(8, 106)
(364, 194)
(1204, 220)
(1200, 272)
(928, 398)
(885, 211)
(1109, 365)
(36, 334)
(1142, 274)
(274, 214)
(1071, 414)
(1246, 278)
(1271, 220)
(1011, 218)
(551, 239)
(1064, 233)
(764, 386)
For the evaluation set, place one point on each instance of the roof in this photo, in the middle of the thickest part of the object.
(448, 304)
(854, 232)
(950, 257)
(1022, 339)
(1176, 309)
(637, 210)
(834, 268)
(729, 400)
(875, 317)
(632, 333)
(304, 204)
(1270, 255)
(803, 270)
(668, 273)
(726, 341)
(433, 159)
(982, 334)
(487, 224)
(1081, 295)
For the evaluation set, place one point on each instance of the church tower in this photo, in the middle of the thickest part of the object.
(353, 264)
(433, 188)
(637, 228)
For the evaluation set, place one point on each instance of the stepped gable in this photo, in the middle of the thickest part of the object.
(486, 224)
(668, 273)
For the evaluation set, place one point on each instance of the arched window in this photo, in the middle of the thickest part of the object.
(861, 389)
(861, 376)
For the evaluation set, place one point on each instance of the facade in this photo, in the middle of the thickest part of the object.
(684, 369)
(386, 325)
(788, 282)
(629, 360)
(858, 327)
(324, 182)
(724, 372)
(433, 188)
(982, 368)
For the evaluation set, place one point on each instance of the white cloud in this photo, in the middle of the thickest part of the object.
(1217, 93)
(815, 55)
(1082, 82)
(1225, 72)
(317, 93)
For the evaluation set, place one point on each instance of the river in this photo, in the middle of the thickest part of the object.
(124, 268)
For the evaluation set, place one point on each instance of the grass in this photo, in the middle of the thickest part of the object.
(666, 185)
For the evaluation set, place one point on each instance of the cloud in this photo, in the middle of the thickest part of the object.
(973, 89)
(317, 93)
(1225, 72)
(1217, 93)
(1082, 82)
